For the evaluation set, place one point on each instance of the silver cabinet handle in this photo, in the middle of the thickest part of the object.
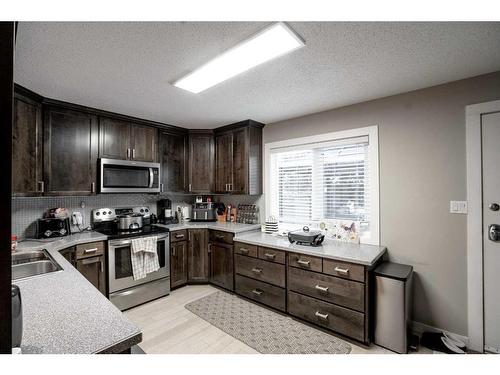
(321, 288)
(244, 250)
(128, 153)
(92, 187)
(87, 251)
(257, 292)
(179, 236)
(133, 153)
(190, 187)
(209, 248)
(321, 316)
(305, 263)
(342, 270)
(270, 256)
(41, 187)
(257, 270)
(161, 188)
(230, 187)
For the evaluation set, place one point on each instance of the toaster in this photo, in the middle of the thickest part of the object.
(306, 237)
(52, 227)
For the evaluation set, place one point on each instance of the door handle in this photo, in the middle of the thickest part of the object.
(494, 232)
(133, 153)
(128, 153)
(41, 187)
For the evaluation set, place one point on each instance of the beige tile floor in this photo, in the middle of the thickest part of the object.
(169, 328)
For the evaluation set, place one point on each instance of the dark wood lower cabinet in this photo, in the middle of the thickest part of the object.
(178, 264)
(261, 292)
(198, 259)
(221, 265)
(93, 269)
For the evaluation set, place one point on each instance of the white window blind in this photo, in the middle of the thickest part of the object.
(322, 181)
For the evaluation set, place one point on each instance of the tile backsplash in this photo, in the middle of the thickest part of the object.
(26, 210)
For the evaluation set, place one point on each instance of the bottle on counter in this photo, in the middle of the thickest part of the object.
(228, 212)
(13, 246)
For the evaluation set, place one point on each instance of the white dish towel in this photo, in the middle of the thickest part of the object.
(144, 256)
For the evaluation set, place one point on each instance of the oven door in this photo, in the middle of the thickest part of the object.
(125, 176)
(120, 263)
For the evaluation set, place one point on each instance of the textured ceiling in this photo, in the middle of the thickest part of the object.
(128, 67)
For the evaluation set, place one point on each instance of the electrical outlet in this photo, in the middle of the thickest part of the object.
(458, 207)
(77, 218)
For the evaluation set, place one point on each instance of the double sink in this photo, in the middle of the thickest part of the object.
(27, 264)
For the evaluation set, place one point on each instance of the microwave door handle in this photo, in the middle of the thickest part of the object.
(151, 177)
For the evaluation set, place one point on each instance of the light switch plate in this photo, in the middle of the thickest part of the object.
(458, 207)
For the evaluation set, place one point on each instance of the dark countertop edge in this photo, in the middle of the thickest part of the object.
(121, 346)
(313, 253)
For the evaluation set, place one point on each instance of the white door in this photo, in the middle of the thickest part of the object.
(490, 128)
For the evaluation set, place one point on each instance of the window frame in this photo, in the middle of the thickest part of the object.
(371, 132)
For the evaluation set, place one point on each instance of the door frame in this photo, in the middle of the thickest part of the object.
(475, 298)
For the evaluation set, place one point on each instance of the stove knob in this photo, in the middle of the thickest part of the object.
(97, 213)
(147, 210)
(109, 212)
(104, 212)
(47, 233)
(62, 231)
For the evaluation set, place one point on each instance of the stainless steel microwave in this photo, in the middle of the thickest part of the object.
(127, 176)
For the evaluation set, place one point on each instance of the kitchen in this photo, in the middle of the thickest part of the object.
(204, 220)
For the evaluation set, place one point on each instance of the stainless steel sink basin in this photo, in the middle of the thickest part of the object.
(32, 263)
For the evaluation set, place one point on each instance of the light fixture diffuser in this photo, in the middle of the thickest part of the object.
(273, 41)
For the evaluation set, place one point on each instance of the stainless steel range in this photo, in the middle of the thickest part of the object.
(124, 291)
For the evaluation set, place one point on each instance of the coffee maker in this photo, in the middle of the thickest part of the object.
(164, 212)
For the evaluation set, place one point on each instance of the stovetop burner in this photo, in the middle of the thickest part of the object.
(114, 233)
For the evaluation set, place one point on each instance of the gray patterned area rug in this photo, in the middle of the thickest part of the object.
(264, 330)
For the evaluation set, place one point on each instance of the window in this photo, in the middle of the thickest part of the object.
(328, 177)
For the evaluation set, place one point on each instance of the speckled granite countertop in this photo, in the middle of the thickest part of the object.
(64, 313)
(226, 227)
(348, 252)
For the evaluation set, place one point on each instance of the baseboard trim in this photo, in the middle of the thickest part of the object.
(418, 328)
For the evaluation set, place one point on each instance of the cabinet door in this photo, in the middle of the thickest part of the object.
(221, 265)
(93, 270)
(201, 163)
(114, 139)
(223, 162)
(143, 143)
(239, 181)
(172, 157)
(178, 264)
(27, 147)
(70, 152)
(198, 262)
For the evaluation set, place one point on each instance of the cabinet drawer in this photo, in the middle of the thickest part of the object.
(306, 262)
(245, 249)
(328, 288)
(178, 235)
(345, 270)
(272, 273)
(89, 250)
(221, 236)
(272, 255)
(261, 292)
(339, 319)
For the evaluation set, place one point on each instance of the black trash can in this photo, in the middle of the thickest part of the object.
(393, 305)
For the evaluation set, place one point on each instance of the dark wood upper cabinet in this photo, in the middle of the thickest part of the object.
(172, 155)
(27, 135)
(198, 261)
(124, 140)
(114, 136)
(201, 161)
(70, 152)
(223, 162)
(238, 158)
(143, 142)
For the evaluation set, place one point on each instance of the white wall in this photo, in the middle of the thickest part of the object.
(422, 168)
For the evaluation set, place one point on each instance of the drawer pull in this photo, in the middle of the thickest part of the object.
(244, 250)
(87, 251)
(257, 292)
(321, 288)
(270, 256)
(179, 236)
(321, 316)
(305, 263)
(257, 270)
(342, 270)
(219, 236)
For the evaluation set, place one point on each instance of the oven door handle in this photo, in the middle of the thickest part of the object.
(151, 177)
(115, 243)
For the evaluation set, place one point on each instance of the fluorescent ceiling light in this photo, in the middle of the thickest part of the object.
(273, 41)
